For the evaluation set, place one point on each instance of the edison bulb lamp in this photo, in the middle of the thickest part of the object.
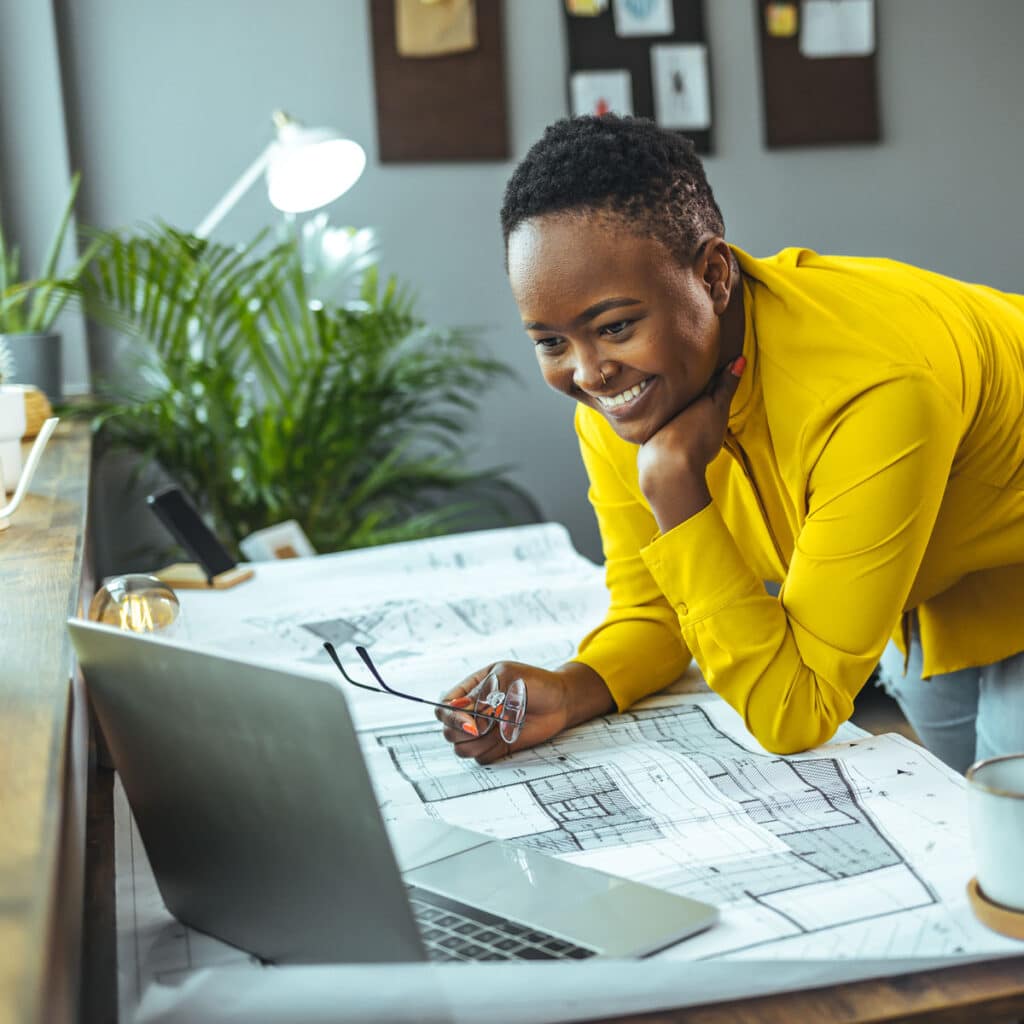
(138, 604)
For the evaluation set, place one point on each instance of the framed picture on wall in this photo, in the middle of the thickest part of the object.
(682, 94)
(601, 92)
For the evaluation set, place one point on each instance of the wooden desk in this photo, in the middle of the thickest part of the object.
(44, 768)
(982, 993)
(43, 740)
(985, 993)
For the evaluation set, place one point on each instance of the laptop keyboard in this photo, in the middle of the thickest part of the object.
(456, 931)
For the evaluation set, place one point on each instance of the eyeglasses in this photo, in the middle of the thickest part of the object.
(488, 701)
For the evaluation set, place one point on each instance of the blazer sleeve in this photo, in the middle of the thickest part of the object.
(638, 647)
(876, 472)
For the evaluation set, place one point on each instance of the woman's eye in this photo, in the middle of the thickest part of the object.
(547, 343)
(619, 327)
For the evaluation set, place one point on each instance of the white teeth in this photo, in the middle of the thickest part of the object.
(623, 396)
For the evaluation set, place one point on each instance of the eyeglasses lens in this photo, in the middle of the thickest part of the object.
(513, 711)
(505, 706)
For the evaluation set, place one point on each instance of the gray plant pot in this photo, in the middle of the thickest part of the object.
(38, 360)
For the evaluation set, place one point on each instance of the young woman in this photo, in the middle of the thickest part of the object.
(848, 428)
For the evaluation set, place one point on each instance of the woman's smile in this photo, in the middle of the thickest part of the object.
(625, 403)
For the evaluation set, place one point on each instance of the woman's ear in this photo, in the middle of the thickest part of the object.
(716, 270)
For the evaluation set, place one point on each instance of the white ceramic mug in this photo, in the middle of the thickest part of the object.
(995, 808)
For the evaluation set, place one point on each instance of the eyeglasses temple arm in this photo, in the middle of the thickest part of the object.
(329, 648)
(368, 662)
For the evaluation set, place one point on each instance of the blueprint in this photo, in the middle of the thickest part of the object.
(430, 612)
(855, 853)
(855, 850)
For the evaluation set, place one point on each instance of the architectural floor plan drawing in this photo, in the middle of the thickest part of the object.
(856, 851)
(405, 629)
(431, 611)
(793, 849)
(852, 855)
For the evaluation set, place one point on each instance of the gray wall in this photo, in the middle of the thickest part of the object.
(169, 101)
(34, 164)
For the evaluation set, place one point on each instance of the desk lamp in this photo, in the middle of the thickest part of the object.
(306, 168)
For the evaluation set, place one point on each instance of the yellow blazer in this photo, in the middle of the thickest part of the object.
(873, 464)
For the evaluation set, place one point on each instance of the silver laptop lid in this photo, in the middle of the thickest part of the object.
(212, 752)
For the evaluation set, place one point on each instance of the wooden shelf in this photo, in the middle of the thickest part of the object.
(43, 739)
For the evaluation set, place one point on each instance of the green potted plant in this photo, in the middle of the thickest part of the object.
(267, 402)
(29, 307)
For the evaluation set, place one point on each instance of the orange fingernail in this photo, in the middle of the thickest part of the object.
(738, 366)
(460, 702)
(471, 728)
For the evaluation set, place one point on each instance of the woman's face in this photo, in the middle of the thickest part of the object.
(595, 298)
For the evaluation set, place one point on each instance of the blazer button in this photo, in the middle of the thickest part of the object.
(681, 608)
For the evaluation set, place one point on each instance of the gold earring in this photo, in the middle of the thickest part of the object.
(604, 379)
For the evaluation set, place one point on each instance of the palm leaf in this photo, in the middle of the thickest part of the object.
(267, 405)
(37, 319)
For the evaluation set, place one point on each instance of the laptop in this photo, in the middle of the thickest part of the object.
(253, 800)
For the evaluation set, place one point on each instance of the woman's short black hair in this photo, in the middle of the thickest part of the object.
(626, 166)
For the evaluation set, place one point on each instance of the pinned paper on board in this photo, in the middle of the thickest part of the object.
(601, 92)
(837, 28)
(585, 8)
(435, 29)
(643, 17)
(681, 94)
(781, 19)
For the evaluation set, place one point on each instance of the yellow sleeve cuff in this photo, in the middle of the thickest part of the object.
(699, 567)
(637, 656)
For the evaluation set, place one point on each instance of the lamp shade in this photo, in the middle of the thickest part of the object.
(311, 167)
(305, 167)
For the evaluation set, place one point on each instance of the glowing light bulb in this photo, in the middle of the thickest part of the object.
(137, 603)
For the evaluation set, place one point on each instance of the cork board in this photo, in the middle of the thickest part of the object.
(810, 101)
(595, 46)
(450, 107)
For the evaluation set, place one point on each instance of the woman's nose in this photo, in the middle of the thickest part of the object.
(586, 381)
(592, 374)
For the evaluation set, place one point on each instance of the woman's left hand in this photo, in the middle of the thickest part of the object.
(672, 462)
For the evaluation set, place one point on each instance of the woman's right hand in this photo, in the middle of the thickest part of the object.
(555, 700)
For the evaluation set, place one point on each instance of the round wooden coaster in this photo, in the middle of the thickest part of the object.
(994, 915)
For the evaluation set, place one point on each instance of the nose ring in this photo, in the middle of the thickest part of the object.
(604, 379)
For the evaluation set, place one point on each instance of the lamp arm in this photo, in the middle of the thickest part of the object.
(26, 474)
(233, 194)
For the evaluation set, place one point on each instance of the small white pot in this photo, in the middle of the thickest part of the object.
(12, 427)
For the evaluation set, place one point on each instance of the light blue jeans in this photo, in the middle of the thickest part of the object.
(964, 716)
